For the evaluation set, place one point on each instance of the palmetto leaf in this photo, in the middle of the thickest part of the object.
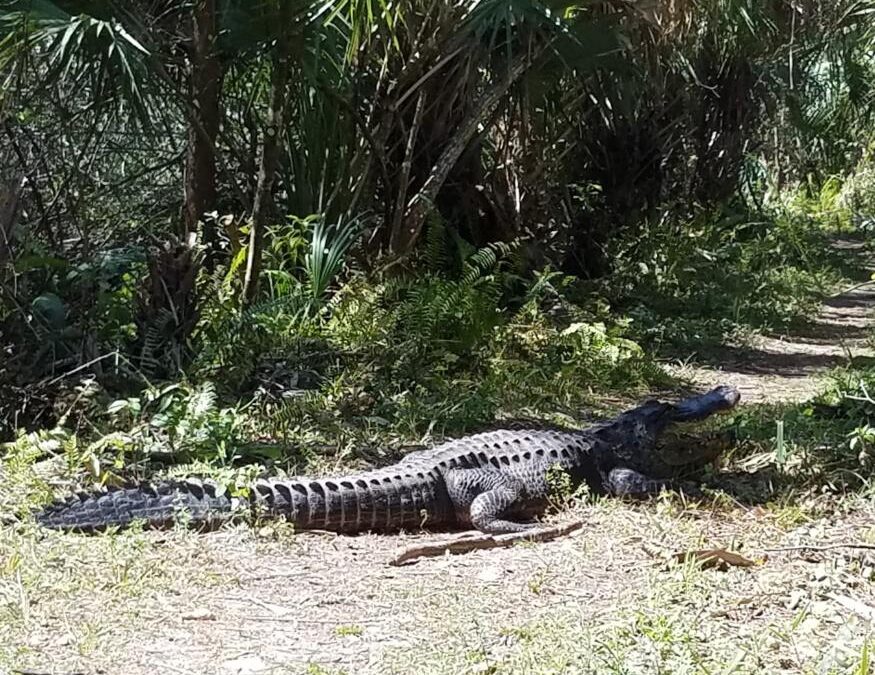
(325, 260)
(91, 52)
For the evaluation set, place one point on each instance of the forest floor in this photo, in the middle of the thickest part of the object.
(605, 599)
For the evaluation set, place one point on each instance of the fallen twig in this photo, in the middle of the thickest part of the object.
(716, 557)
(851, 289)
(823, 547)
(861, 609)
(471, 542)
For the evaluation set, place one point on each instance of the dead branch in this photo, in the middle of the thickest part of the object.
(816, 548)
(467, 542)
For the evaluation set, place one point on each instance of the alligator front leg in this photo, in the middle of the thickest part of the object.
(483, 496)
(630, 483)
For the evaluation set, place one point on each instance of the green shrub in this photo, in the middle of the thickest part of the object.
(687, 282)
(441, 355)
(857, 196)
(181, 420)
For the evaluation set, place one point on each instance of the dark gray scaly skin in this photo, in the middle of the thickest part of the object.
(491, 481)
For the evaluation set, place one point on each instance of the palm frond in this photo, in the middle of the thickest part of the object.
(327, 255)
(80, 51)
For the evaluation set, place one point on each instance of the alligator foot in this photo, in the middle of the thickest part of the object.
(486, 494)
(624, 482)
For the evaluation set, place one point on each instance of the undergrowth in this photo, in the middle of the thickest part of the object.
(449, 347)
(822, 445)
(382, 361)
(723, 274)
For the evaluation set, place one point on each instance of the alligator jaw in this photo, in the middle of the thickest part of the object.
(678, 449)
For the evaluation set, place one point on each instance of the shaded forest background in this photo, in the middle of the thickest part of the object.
(236, 231)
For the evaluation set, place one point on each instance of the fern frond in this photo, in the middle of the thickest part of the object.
(488, 259)
(202, 401)
(437, 243)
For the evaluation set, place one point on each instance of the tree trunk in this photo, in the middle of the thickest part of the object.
(200, 169)
(10, 192)
(404, 238)
(404, 181)
(267, 166)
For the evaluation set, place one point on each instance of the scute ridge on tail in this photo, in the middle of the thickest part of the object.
(158, 505)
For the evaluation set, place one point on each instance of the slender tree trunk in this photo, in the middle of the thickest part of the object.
(404, 238)
(404, 182)
(10, 192)
(200, 168)
(267, 166)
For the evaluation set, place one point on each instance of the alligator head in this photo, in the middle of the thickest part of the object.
(681, 449)
(647, 439)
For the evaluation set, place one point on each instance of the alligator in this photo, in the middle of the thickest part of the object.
(495, 481)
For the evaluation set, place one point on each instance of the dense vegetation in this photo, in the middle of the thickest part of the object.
(237, 232)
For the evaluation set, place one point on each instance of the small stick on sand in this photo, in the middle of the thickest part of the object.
(468, 542)
(818, 548)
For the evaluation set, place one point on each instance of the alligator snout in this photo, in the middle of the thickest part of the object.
(730, 395)
(699, 407)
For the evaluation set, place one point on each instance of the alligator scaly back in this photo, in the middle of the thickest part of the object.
(487, 480)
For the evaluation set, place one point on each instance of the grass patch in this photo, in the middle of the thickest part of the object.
(96, 592)
(825, 441)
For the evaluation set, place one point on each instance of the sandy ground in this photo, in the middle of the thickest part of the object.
(601, 600)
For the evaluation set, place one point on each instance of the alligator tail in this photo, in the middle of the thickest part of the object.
(375, 501)
(198, 504)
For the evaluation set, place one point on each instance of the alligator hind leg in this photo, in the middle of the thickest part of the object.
(485, 494)
(630, 483)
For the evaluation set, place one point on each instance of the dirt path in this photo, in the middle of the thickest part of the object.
(601, 601)
(788, 368)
